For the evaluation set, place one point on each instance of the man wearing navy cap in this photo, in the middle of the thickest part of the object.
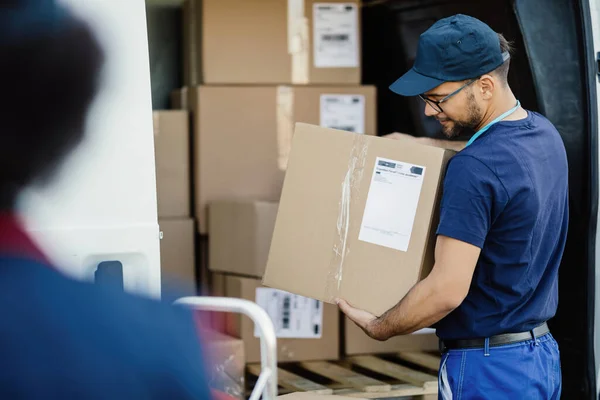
(59, 338)
(503, 225)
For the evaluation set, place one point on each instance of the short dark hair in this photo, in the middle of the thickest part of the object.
(505, 47)
(48, 82)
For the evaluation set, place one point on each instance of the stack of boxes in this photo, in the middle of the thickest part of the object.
(253, 69)
(172, 159)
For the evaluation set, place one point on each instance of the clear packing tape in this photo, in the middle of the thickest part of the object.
(349, 189)
(226, 374)
(285, 124)
(298, 41)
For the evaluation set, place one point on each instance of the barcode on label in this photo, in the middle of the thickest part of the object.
(344, 128)
(335, 38)
(285, 320)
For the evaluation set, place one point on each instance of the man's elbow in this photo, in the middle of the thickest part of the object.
(451, 297)
(452, 301)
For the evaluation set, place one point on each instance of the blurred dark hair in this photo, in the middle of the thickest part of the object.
(47, 83)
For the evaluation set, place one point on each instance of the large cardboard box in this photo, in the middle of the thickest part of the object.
(225, 362)
(172, 157)
(272, 42)
(242, 135)
(177, 255)
(306, 329)
(357, 342)
(357, 218)
(240, 236)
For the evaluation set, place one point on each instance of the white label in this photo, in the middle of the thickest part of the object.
(392, 204)
(343, 111)
(335, 35)
(294, 316)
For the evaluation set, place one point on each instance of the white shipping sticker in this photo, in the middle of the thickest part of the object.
(335, 27)
(294, 316)
(392, 204)
(343, 111)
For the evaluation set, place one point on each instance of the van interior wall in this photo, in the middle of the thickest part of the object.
(391, 31)
(165, 49)
(547, 75)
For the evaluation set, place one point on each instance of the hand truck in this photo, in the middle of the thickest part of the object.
(266, 385)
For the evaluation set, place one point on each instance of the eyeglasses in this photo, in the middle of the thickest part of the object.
(436, 104)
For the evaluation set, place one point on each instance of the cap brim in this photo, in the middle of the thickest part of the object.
(413, 83)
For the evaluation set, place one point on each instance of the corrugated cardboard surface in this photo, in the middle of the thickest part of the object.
(238, 141)
(240, 236)
(357, 342)
(315, 251)
(172, 153)
(246, 42)
(225, 363)
(177, 254)
(325, 348)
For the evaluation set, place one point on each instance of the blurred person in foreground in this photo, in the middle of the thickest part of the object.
(60, 338)
(503, 224)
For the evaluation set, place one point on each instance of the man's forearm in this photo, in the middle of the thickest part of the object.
(423, 306)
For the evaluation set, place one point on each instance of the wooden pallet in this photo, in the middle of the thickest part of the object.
(406, 374)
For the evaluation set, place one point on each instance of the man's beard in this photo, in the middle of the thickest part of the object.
(467, 127)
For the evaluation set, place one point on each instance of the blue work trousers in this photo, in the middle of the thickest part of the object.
(526, 370)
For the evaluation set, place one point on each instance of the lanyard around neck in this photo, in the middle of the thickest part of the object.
(488, 126)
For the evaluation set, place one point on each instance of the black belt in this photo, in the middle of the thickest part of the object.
(498, 340)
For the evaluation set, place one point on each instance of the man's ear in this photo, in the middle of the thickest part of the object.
(487, 84)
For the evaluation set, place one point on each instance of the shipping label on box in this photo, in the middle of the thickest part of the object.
(335, 29)
(300, 341)
(392, 203)
(294, 316)
(345, 112)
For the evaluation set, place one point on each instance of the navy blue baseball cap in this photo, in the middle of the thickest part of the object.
(27, 19)
(454, 49)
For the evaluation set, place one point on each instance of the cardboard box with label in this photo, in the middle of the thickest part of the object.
(240, 236)
(177, 255)
(357, 217)
(356, 342)
(172, 156)
(225, 362)
(242, 135)
(306, 329)
(272, 42)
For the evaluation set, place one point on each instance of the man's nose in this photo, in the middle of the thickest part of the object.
(430, 111)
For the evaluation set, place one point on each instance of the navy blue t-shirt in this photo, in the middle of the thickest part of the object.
(507, 193)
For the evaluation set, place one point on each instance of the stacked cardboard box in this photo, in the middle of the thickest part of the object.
(272, 42)
(172, 149)
(242, 135)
